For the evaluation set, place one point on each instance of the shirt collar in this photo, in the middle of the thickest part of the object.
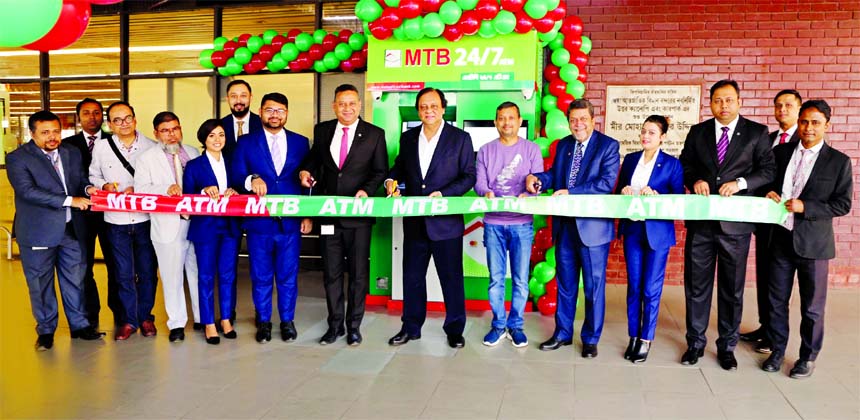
(731, 125)
(814, 149)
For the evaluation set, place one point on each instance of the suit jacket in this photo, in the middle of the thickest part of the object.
(365, 166)
(666, 178)
(79, 141)
(827, 194)
(748, 156)
(153, 174)
(40, 218)
(252, 156)
(794, 137)
(254, 124)
(198, 175)
(451, 172)
(598, 172)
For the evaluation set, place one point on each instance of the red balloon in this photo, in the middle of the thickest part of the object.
(547, 164)
(267, 52)
(378, 30)
(346, 66)
(513, 5)
(563, 101)
(452, 33)
(294, 66)
(487, 9)
(558, 13)
(329, 42)
(344, 35)
(257, 62)
(571, 26)
(304, 61)
(250, 68)
(544, 24)
(431, 6)
(550, 72)
(583, 76)
(547, 306)
(572, 43)
(230, 48)
(104, 2)
(538, 255)
(580, 59)
(73, 21)
(409, 9)
(219, 59)
(358, 60)
(364, 49)
(316, 52)
(543, 238)
(243, 40)
(524, 23)
(552, 288)
(390, 19)
(557, 87)
(278, 41)
(291, 35)
(552, 148)
(469, 22)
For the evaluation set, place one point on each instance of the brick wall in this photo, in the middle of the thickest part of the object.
(812, 46)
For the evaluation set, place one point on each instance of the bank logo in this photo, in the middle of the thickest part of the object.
(393, 58)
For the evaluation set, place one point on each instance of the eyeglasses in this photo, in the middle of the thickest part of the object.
(166, 131)
(122, 121)
(275, 111)
(433, 107)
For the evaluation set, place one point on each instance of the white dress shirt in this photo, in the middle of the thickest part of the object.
(338, 135)
(426, 148)
(790, 132)
(220, 170)
(642, 173)
(809, 159)
(742, 182)
(106, 168)
(246, 125)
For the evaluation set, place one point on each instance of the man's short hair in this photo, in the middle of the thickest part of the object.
(346, 87)
(41, 116)
(238, 82)
(427, 90)
(118, 103)
(581, 104)
(724, 83)
(163, 117)
(788, 92)
(87, 101)
(818, 104)
(276, 97)
(506, 105)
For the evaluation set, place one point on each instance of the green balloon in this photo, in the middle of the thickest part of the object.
(277, 64)
(412, 28)
(487, 30)
(242, 55)
(568, 73)
(548, 103)
(392, 3)
(342, 51)
(467, 4)
(330, 60)
(205, 59)
(505, 22)
(551, 4)
(560, 57)
(289, 52)
(357, 41)
(555, 116)
(539, 222)
(557, 42)
(576, 88)
(224, 71)
(320, 67)
(368, 10)
(219, 42)
(550, 256)
(544, 143)
(254, 44)
(319, 35)
(233, 66)
(558, 130)
(536, 9)
(304, 41)
(450, 12)
(543, 272)
(24, 22)
(537, 288)
(269, 35)
(399, 34)
(586, 45)
(432, 25)
(547, 36)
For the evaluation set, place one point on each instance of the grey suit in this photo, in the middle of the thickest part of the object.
(46, 240)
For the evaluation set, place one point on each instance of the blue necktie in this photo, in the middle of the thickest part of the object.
(574, 167)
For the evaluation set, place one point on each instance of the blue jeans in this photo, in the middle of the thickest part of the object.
(135, 270)
(499, 239)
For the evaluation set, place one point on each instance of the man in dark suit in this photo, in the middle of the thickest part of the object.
(435, 160)
(348, 158)
(586, 162)
(267, 162)
(815, 182)
(729, 155)
(90, 115)
(50, 184)
(786, 106)
(241, 120)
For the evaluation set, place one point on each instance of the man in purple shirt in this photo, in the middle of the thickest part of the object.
(502, 167)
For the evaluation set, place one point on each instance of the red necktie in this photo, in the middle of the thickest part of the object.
(782, 138)
(344, 144)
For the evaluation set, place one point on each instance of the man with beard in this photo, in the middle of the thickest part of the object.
(241, 120)
(267, 162)
(159, 171)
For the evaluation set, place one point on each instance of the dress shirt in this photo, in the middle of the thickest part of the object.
(338, 134)
(106, 168)
(183, 159)
(220, 170)
(642, 173)
(426, 148)
(68, 201)
(790, 133)
(281, 138)
(246, 125)
(718, 131)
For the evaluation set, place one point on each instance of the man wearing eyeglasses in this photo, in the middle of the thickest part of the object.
(267, 162)
(159, 171)
(112, 169)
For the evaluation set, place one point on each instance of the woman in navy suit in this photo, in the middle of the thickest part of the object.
(215, 238)
(647, 242)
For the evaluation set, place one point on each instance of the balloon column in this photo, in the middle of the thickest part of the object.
(321, 51)
(44, 25)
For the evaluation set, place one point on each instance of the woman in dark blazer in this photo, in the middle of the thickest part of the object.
(215, 238)
(647, 242)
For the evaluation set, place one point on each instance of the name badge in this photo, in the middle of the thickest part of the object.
(326, 229)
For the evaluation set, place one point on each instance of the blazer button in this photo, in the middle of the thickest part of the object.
(423, 186)
(718, 178)
(339, 175)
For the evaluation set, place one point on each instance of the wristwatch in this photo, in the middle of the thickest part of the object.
(254, 176)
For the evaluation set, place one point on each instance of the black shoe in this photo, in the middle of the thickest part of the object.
(331, 335)
(629, 350)
(177, 334)
(554, 344)
(773, 363)
(764, 346)
(640, 352)
(45, 342)
(353, 338)
(198, 326)
(229, 335)
(213, 340)
(589, 351)
(88, 333)
(727, 360)
(802, 369)
(264, 332)
(288, 331)
(754, 336)
(691, 356)
(402, 338)
(456, 341)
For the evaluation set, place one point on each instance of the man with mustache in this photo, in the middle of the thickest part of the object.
(241, 120)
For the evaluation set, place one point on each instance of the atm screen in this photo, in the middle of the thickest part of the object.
(484, 131)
